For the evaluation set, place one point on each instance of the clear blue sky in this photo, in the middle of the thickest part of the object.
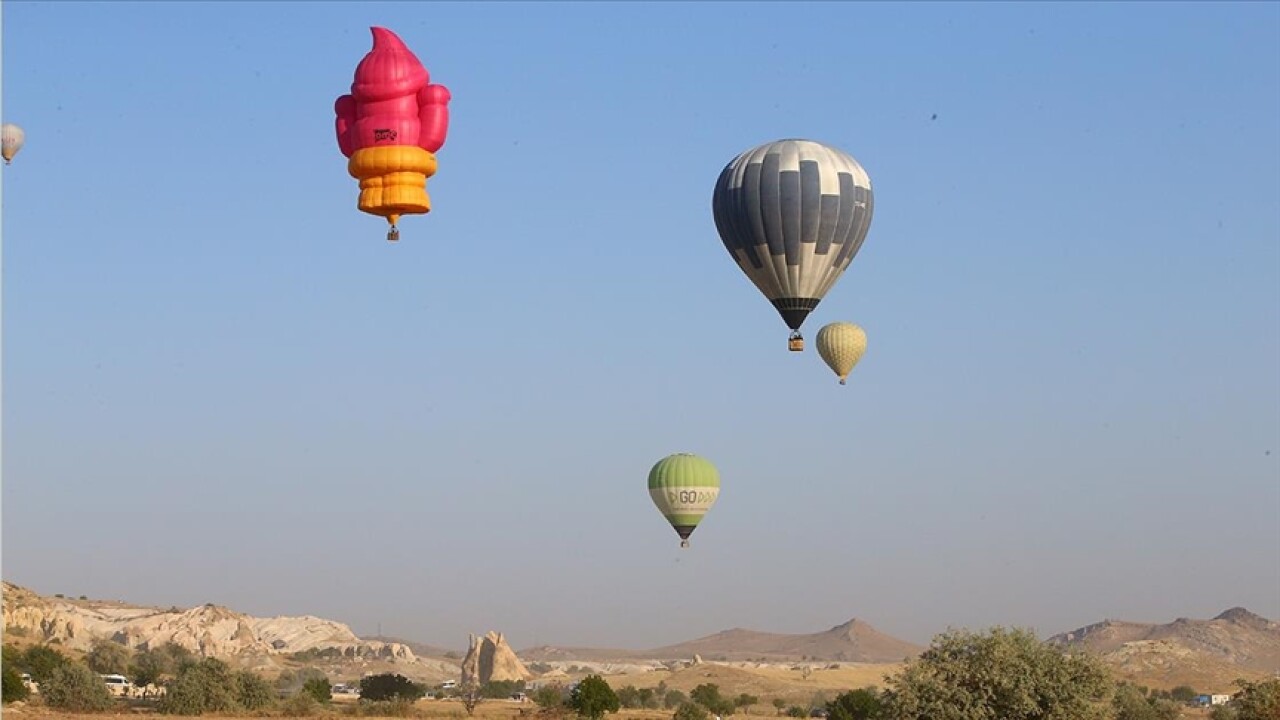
(221, 383)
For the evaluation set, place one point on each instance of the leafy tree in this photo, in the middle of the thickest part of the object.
(690, 711)
(318, 689)
(299, 705)
(708, 696)
(1129, 704)
(471, 695)
(861, 704)
(744, 700)
(500, 689)
(153, 664)
(207, 686)
(107, 657)
(779, 704)
(1183, 694)
(1257, 700)
(41, 661)
(648, 698)
(592, 698)
(73, 686)
(673, 699)
(389, 686)
(796, 711)
(1002, 673)
(13, 688)
(252, 691)
(548, 697)
(629, 697)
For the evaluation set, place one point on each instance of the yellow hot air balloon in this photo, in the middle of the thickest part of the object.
(11, 140)
(841, 346)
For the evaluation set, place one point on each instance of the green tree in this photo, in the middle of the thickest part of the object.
(73, 686)
(548, 697)
(108, 657)
(41, 661)
(319, 689)
(207, 686)
(708, 696)
(745, 701)
(648, 698)
(1002, 673)
(796, 711)
(674, 699)
(779, 704)
(1183, 694)
(252, 691)
(592, 698)
(13, 688)
(1257, 700)
(501, 689)
(690, 711)
(389, 686)
(861, 704)
(629, 697)
(1130, 704)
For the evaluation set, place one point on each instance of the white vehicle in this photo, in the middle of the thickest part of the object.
(118, 685)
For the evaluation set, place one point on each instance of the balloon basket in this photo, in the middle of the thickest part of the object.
(795, 343)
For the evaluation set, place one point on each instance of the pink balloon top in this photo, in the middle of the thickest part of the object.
(392, 101)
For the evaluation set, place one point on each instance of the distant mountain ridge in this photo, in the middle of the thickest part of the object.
(1233, 643)
(853, 641)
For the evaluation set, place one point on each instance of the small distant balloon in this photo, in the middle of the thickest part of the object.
(11, 141)
(684, 486)
(841, 346)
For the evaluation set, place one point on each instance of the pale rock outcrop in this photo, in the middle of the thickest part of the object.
(491, 659)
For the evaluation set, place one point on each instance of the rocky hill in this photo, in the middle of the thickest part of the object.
(853, 641)
(208, 630)
(1236, 643)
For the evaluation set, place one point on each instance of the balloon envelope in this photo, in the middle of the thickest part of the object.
(684, 487)
(11, 141)
(793, 214)
(841, 346)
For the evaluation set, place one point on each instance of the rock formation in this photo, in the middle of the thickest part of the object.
(491, 659)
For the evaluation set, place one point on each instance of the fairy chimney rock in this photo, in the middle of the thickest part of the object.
(491, 659)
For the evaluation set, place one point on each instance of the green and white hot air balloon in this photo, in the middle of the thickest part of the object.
(841, 346)
(684, 487)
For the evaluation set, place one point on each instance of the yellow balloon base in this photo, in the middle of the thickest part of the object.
(393, 180)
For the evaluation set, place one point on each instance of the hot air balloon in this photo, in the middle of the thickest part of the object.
(11, 141)
(841, 346)
(390, 126)
(793, 213)
(684, 487)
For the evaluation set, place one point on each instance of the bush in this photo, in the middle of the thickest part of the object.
(13, 689)
(201, 687)
(779, 704)
(690, 711)
(41, 661)
(796, 711)
(708, 696)
(1006, 674)
(74, 687)
(855, 705)
(108, 656)
(388, 686)
(744, 700)
(674, 699)
(629, 697)
(548, 697)
(592, 698)
(299, 705)
(318, 689)
(253, 692)
(1257, 700)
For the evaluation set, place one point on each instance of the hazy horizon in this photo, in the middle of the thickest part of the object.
(221, 384)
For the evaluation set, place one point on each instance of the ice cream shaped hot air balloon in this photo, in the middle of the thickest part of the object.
(389, 127)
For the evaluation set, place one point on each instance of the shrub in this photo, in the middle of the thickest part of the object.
(318, 689)
(548, 696)
(205, 686)
(253, 692)
(673, 699)
(41, 661)
(13, 688)
(299, 705)
(388, 686)
(854, 705)
(690, 711)
(74, 687)
(592, 698)
(108, 656)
